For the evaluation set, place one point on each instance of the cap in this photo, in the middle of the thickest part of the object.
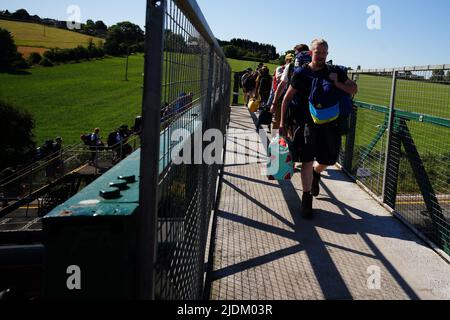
(289, 56)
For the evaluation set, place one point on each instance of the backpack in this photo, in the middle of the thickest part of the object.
(303, 58)
(327, 103)
(112, 139)
(265, 117)
(86, 138)
(265, 84)
(47, 148)
(346, 100)
(249, 82)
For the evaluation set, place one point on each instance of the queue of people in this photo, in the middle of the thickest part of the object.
(307, 100)
(117, 141)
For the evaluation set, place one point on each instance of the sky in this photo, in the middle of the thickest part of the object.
(405, 33)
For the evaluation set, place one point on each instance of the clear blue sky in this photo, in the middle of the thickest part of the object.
(413, 32)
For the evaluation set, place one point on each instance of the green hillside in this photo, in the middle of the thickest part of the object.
(71, 99)
(241, 65)
(36, 35)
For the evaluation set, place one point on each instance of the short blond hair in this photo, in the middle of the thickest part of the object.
(318, 42)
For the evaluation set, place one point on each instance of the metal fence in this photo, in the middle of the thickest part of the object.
(187, 86)
(399, 146)
(39, 180)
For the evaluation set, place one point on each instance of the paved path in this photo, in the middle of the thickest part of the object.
(263, 249)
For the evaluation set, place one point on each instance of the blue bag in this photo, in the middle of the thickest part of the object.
(327, 103)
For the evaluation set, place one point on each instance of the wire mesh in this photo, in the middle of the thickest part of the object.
(194, 89)
(371, 126)
(414, 179)
(423, 191)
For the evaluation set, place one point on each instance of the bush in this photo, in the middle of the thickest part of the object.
(45, 62)
(34, 58)
(96, 52)
(19, 62)
(80, 53)
(9, 57)
(76, 54)
(16, 136)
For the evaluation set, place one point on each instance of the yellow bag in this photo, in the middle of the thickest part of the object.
(253, 104)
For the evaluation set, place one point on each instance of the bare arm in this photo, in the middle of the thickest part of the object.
(348, 86)
(280, 89)
(286, 101)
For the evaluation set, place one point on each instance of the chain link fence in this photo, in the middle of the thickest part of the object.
(398, 146)
(189, 86)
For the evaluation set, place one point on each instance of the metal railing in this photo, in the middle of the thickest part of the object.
(187, 85)
(26, 184)
(398, 145)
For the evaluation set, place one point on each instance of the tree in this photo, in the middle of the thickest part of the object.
(8, 50)
(89, 27)
(101, 26)
(21, 14)
(174, 42)
(16, 136)
(122, 36)
(231, 51)
(250, 49)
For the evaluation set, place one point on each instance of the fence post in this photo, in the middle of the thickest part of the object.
(350, 138)
(206, 111)
(393, 148)
(148, 214)
(96, 161)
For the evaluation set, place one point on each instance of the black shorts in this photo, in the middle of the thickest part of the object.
(321, 143)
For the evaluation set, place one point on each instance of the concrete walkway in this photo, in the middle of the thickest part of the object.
(353, 249)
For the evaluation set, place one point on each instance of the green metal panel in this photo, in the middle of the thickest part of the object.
(413, 116)
(89, 203)
(98, 236)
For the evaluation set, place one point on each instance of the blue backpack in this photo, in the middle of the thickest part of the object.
(303, 58)
(327, 103)
(346, 101)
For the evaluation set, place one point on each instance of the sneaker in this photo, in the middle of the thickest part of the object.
(307, 210)
(315, 190)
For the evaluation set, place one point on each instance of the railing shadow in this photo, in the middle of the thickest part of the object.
(308, 240)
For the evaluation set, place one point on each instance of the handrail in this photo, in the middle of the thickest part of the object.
(196, 17)
(413, 116)
(415, 68)
(38, 163)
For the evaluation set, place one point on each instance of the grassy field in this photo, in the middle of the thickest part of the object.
(432, 141)
(413, 96)
(36, 35)
(72, 99)
(240, 65)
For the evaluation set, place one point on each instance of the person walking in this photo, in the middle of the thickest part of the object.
(315, 139)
